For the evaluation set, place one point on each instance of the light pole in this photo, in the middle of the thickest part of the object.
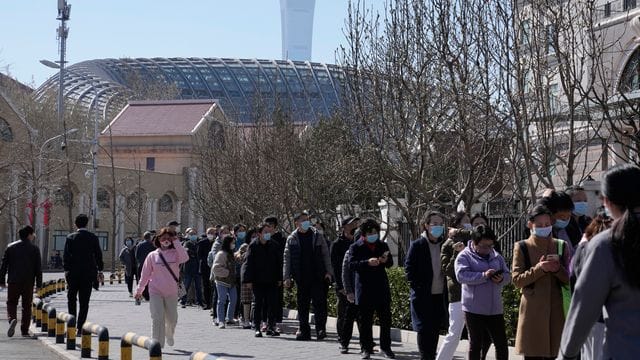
(94, 150)
(38, 215)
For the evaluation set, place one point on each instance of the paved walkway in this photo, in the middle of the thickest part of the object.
(18, 347)
(111, 307)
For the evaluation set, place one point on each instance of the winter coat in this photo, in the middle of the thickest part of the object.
(223, 270)
(203, 248)
(480, 295)
(292, 266)
(371, 284)
(419, 272)
(128, 259)
(338, 249)
(541, 315)
(448, 260)
(157, 276)
(262, 263)
(21, 260)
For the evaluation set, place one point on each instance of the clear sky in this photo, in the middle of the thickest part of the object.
(155, 28)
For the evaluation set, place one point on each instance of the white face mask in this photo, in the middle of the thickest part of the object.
(210, 236)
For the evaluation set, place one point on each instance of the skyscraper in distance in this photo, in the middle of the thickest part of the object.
(297, 29)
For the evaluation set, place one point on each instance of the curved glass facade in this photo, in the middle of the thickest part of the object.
(243, 87)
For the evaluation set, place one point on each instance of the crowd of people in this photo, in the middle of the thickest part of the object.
(577, 277)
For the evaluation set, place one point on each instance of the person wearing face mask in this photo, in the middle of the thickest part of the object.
(540, 271)
(368, 258)
(459, 234)
(307, 262)
(128, 259)
(561, 207)
(580, 218)
(160, 271)
(608, 276)
(426, 280)
(240, 232)
(190, 268)
(278, 239)
(215, 247)
(262, 272)
(482, 273)
(203, 248)
(346, 310)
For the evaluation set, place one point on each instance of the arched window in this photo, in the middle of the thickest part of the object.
(62, 196)
(630, 79)
(136, 200)
(165, 204)
(5, 131)
(103, 199)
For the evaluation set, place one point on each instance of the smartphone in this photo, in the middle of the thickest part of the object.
(498, 272)
(553, 257)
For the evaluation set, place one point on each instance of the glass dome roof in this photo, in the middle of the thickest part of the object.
(243, 87)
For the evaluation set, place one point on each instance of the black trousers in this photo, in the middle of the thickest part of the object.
(477, 326)
(79, 290)
(347, 314)
(430, 333)
(15, 291)
(266, 304)
(307, 293)
(366, 325)
(206, 288)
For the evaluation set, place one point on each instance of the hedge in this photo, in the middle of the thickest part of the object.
(400, 312)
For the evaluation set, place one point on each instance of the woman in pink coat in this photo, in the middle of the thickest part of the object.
(163, 288)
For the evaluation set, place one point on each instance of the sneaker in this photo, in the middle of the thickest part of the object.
(258, 333)
(130, 294)
(184, 306)
(321, 334)
(222, 326)
(302, 336)
(231, 322)
(12, 327)
(247, 325)
(170, 341)
(344, 349)
(389, 354)
(29, 336)
(365, 355)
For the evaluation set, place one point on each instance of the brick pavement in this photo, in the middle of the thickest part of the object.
(111, 307)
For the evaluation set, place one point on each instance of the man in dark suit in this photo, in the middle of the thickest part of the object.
(82, 260)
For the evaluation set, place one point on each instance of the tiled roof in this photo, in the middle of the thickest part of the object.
(164, 117)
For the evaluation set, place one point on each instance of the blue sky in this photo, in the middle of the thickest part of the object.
(155, 28)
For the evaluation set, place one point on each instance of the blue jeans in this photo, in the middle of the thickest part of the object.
(223, 292)
(188, 279)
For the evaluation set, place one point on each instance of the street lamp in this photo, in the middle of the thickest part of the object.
(94, 151)
(39, 221)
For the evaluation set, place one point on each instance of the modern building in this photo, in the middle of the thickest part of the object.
(243, 88)
(297, 29)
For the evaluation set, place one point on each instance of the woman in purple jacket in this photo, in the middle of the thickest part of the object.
(482, 273)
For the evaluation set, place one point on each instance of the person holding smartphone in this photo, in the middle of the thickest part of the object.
(483, 272)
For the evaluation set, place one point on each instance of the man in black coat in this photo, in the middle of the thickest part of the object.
(427, 283)
(142, 250)
(368, 258)
(203, 248)
(279, 240)
(82, 261)
(347, 311)
(22, 260)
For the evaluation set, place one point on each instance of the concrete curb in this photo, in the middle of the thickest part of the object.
(398, 335)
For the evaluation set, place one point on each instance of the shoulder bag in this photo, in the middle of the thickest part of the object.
(181, 290)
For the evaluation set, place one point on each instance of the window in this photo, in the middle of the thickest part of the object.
(165, 204)
(59, 238)
(151, 164)
(629, 4)
(607, 9)
(630, 78)
(5, 131)
(103, 238)
(103, 199)
(551, 36)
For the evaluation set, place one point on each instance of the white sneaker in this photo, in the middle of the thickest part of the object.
(222, 325)
(170, 340)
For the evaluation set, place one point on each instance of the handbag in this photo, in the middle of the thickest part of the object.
(182, 292)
